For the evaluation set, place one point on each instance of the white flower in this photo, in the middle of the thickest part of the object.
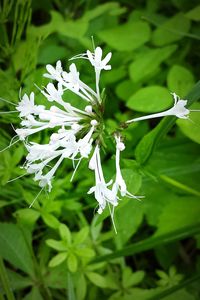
(97, 61)
(119, 184)
(53, 94)
(102, 193)
(27, 107)
(54, 73)
(179, 110)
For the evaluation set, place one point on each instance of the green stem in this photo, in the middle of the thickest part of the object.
(5, 281)
(151, 243)
(38, 273)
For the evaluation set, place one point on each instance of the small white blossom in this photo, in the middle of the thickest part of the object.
(119, 184)
(96, 59)
(102, 193)
(54, 73)
(179, 110)
(27, 106)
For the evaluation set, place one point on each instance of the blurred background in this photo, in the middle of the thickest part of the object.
(60, 248)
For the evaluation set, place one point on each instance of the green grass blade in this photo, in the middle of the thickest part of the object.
(151, 243)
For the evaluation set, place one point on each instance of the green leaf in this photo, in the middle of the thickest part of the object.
(58, 259)
(50, 220)
(51, 53)
(14, 248)
(127, 220)
(147, 64)
(57, 245)
(97, 279)
(133, 180)
(65, 233)
(191, 127)
(56, 277)
(27, 216)
(70, 287)
(180, 80)
(81, 236)
(194, 14)
(110, 7)
(18, 282)
(150, 99)
(85, 252)
(72, 263)
(125, 89)
(81, 287)
(74, 29)
(179, 212)
(126, 37)
(171, 31)
(34, 294)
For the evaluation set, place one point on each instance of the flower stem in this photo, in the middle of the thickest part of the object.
(157, 115)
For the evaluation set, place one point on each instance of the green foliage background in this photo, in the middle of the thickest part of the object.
(59, 248)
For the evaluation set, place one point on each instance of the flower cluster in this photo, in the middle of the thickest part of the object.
(76, 134)
(72, 131)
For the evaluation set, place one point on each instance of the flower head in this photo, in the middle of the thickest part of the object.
(96, 59)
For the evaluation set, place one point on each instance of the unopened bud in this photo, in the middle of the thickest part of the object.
(88, 109)
(94, 122)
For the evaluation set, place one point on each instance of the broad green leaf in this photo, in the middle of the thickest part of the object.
(127, 220)
(191, 127)
(57, 245)
(150, 99)
(58, 259)
(72, 263)
(147, 64)
(113, 75)
(125, 89)
(179, 212)
(97, 279)
(14, 248)
(194, 14)
(171, 31)
(180, 80)
(51, 53)
(81, 236)
(133, 180)
(126, 37)
(65, 233)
